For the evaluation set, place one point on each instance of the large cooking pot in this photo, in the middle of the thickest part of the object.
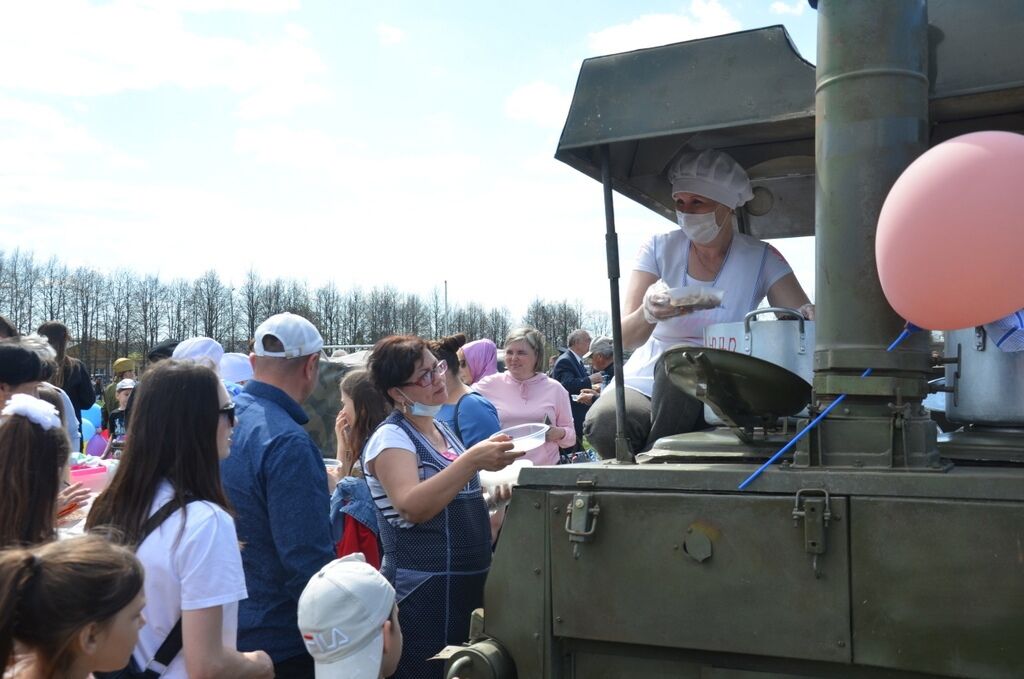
(787, 342)
(987, 383)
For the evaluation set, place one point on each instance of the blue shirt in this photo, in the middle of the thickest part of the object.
(277, 483)
(478, 418)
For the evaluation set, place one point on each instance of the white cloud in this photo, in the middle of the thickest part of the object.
(796, 7)
(87, 50)
(540, 103)
(389, 35)
(704, 18)
(37, 139)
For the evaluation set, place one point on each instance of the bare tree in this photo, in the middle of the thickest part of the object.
(251, 292)
(209, 300)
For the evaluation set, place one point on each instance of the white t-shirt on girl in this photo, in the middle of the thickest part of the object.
(202, 570)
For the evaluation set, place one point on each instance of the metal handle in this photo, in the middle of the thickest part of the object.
(750, 315)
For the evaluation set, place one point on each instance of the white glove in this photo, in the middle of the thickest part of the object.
(657, 306)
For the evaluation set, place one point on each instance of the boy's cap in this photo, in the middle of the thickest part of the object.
(341, 615)
(299, 336)
(123, 365)
(126, 383)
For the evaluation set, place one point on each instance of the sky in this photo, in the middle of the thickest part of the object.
(393, 143)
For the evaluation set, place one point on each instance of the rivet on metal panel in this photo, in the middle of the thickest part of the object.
(558, 618)
(578, 503)
(536, 636)
(536, 571)
(841, 644)
(536, 505)
(554, 509)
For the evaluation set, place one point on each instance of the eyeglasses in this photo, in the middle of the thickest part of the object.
(429, 375)
(229, 411)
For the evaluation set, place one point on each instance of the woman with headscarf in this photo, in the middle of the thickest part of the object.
(707, 250)
(477, 360)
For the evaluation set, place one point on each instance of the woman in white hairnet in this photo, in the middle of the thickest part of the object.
(706, 250)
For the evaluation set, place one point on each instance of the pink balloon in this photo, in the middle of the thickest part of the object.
(950, 239)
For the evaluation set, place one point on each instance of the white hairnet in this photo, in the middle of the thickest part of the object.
(711, 174)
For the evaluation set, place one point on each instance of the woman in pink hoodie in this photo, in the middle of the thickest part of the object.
(523, 394)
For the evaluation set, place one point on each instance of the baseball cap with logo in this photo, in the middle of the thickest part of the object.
(299, 336)
(341, 616)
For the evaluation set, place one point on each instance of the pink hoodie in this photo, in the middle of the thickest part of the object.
(529, 401)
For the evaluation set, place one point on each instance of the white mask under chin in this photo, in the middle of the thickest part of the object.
(701, 228)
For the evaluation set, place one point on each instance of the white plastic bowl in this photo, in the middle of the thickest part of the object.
(526, 437)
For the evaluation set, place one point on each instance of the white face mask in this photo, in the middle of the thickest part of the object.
(700, 229)
(422, 409)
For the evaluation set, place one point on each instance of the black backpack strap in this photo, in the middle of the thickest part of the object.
(173, 643)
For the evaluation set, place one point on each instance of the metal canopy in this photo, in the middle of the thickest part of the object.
(751, 94)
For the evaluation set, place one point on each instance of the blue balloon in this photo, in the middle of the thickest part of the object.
(93, 415)
(88, 430)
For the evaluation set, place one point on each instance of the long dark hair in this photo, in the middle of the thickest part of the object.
(57, 334)
(370, 405)
(50, 592)
(31, 460)
(172, 434)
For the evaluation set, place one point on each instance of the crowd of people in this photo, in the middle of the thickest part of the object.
(227, 544)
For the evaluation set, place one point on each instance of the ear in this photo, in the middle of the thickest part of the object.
(312, 366)
(88, 639)
(397, 397)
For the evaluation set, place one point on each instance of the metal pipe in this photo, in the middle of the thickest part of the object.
(871, 122)
(622, 452)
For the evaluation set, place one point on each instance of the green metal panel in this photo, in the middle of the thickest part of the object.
(644, 558)
(517, 594)
(940, 588)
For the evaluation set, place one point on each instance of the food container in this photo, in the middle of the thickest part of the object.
(787, 342)
(94, 478)
(526, 437)
(986, 383)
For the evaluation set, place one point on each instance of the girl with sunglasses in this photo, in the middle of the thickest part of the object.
(179, 431)
(434, 522)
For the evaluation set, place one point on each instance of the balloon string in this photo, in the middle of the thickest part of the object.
(906, 332)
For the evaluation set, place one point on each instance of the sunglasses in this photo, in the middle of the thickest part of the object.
(429, 375)
(229, 411)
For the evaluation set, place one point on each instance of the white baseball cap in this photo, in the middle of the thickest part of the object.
(202, 350)
(341, 616)
(235, 368)
(126, 383)
(299, 336)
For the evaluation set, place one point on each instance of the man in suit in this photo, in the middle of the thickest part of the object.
(574, 376)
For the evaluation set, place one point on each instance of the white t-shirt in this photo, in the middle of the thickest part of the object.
(393, 436)
(750, 269)
(203, 570)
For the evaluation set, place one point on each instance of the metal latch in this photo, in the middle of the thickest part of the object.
(581, 516)
(812, 505)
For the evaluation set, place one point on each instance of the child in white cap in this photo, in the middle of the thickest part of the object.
(349, 620)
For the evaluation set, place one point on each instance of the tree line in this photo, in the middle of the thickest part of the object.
(123, 313)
